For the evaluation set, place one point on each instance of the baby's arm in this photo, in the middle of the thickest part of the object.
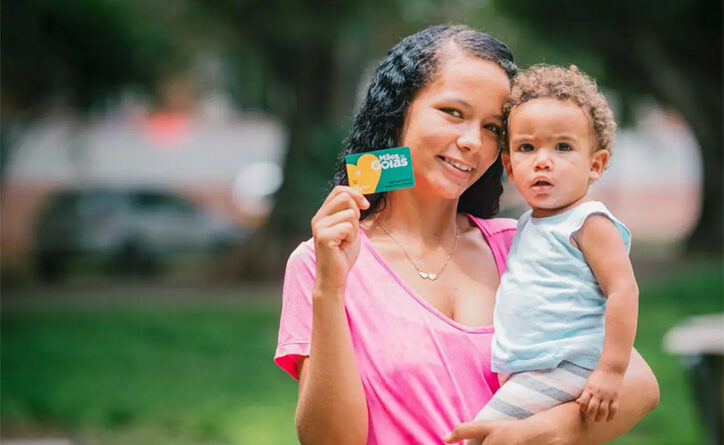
(605, 252)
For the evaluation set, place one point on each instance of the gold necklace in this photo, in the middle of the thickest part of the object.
(432, 276)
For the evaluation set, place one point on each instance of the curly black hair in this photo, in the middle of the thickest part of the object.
(409, 66)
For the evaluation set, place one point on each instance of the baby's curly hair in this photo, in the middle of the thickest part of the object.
(548, 81)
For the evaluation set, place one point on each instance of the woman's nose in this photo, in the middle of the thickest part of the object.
(470, 139)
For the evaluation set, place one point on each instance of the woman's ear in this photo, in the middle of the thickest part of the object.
(505, 157)
(599, 162)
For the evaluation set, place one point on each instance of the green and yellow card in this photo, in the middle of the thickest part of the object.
(380, 170)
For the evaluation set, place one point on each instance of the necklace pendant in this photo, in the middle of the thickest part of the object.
(428, 275)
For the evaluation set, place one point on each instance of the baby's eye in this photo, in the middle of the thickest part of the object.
(452, 112)
(492, 127)
(563, 146)
(525, 147)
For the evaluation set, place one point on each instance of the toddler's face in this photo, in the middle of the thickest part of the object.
(552, 159)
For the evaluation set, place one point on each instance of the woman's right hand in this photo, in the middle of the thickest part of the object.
(336, 237)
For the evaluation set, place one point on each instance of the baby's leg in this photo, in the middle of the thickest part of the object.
(530, 392)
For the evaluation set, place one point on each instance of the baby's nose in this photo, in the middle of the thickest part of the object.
(542, 160)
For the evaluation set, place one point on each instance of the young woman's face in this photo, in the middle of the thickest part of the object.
(453, 124)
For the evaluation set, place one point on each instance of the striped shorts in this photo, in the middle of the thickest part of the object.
(530, 392)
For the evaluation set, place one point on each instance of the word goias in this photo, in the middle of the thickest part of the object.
(380, 170)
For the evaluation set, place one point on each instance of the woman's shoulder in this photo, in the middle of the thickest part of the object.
(495, 226)
(302, 254)
(499, 234)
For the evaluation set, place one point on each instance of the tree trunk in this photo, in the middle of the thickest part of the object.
(315, 141)
(707, 235)
(699, 99)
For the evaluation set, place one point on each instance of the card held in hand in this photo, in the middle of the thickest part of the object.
(380, 170)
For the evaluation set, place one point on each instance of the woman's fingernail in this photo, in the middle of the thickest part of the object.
(448, 437)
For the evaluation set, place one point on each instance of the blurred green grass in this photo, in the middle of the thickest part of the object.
(201, 372)
(148, 373)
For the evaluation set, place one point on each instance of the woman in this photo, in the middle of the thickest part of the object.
(388, 309)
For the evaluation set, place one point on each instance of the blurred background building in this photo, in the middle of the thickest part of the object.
(218, 161)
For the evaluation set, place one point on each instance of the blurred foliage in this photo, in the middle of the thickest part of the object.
(669, 50)
(315, 52)
(77, 56)
(304, 62)
(75, 52)
(201, 371)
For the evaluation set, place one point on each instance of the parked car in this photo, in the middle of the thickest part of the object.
(127, 230)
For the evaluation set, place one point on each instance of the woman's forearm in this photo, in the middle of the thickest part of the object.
(640, 394)
(332, 408)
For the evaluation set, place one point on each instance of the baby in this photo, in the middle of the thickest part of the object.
(568, 272)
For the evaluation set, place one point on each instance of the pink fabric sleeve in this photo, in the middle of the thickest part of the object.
(502, 233)
(499, 234)
(295, 325)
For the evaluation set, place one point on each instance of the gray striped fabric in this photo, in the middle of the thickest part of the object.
(509, 410)
(530, 392)
(543, 388)
(575, 369)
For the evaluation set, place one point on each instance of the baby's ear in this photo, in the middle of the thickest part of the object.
(505, 157)
(599, 162)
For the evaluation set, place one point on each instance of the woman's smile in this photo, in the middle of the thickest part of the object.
(458, 167)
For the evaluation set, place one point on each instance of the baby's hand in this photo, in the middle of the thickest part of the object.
(600, 397)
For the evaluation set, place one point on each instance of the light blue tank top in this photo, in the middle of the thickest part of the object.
(549, 306)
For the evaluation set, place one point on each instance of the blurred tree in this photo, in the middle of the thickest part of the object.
(303, 61)
(311, 56)
(75, 55)
(670, 50)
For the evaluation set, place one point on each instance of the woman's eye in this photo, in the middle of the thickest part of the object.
(452, 112)
(494, 128)
(525, 147)
(563, 146)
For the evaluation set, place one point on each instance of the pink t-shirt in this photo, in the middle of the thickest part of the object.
(422, 372)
